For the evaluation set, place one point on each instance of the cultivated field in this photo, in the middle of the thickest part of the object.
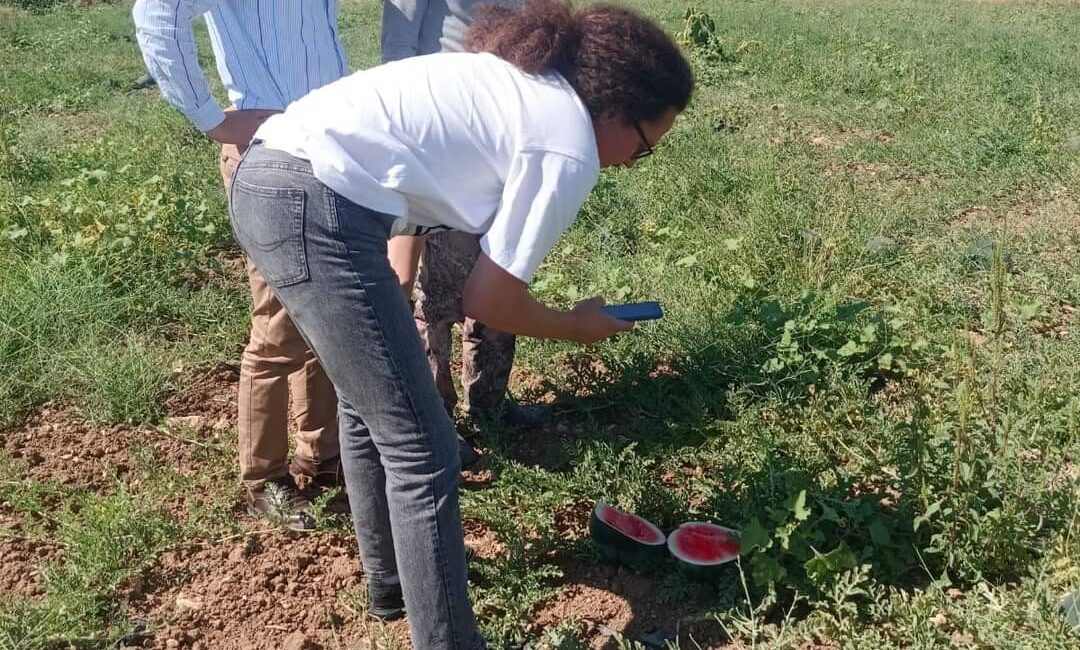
(865, 233)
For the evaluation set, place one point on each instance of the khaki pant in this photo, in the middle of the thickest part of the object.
(278, 373)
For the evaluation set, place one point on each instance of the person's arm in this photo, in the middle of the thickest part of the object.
(401, 22)
(501, 301)
(166, 37)
(541, 196)
(404, 253)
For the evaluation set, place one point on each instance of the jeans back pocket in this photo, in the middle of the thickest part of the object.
(269, 225)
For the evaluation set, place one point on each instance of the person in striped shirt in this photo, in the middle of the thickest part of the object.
(269, 53)
(419, 27)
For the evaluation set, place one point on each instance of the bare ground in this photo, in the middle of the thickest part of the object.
(266, 589)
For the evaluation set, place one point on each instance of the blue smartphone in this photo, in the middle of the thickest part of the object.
(636, 311)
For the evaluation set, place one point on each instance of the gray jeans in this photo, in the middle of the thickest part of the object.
(325, 259)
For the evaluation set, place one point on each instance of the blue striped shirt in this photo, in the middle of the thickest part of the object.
(269, 52)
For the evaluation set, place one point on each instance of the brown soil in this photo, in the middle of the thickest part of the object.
(1055, 211)
(21, 559)
(256, 592)
(268, 589)
(56, 445)
(209, 399)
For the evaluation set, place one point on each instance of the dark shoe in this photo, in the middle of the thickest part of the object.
(145, 81)
(385, 602)
(315, 479)
(325, 475)
(469, 455)
(280, 501)
(510, 413)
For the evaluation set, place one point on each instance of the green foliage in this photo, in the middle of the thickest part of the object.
(33, 5)
(170, 221)
(816, 336)
(713, 61)
(517, 581)
(105, 540)
(806, 547)
(70, 328)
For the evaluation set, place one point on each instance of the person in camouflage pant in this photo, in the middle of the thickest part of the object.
(417, 27)
(487, 354)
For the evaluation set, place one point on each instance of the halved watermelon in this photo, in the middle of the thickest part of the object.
(703, 548)
(625, 537)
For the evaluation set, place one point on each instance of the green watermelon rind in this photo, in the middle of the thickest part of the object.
(705, 572)
(615, 546)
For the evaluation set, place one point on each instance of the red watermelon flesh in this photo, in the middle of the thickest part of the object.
(704, 544)
(630, 525)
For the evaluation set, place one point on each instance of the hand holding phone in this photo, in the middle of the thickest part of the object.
(635, 311)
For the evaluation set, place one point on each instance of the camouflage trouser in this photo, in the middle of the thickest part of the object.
(487, 354)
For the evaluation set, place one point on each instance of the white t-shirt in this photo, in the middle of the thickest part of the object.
(460, 141)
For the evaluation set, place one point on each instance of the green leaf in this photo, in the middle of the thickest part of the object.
(879, 533)
(824, 565)
(847, 313)
(828, 513)
(1029, 311)
(766, 570)
(772, 314)
(753, 535)
(931, 510)
(15, 232)
(797, 506)
(849, 349)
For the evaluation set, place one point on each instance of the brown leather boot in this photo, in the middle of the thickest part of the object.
(314, 479)
(279, 500)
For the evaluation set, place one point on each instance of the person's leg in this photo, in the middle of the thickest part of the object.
(435, 311)
(365, 482)
(314, 404)
(265, 366)
(278, 371)
(487, 354)
(448, 260)
(438, 306)
(326, 259)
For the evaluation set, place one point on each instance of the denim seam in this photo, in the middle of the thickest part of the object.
(403, 387)
(288, 166)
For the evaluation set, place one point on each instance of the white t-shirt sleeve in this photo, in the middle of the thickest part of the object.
(540, 199)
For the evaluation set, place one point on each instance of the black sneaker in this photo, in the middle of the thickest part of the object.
(386, 603)
(280, 501)
(469, 455)
(510, 413)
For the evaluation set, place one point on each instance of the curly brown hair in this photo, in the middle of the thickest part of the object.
(617, 61)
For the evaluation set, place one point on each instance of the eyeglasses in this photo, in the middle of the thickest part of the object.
(646, 148)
